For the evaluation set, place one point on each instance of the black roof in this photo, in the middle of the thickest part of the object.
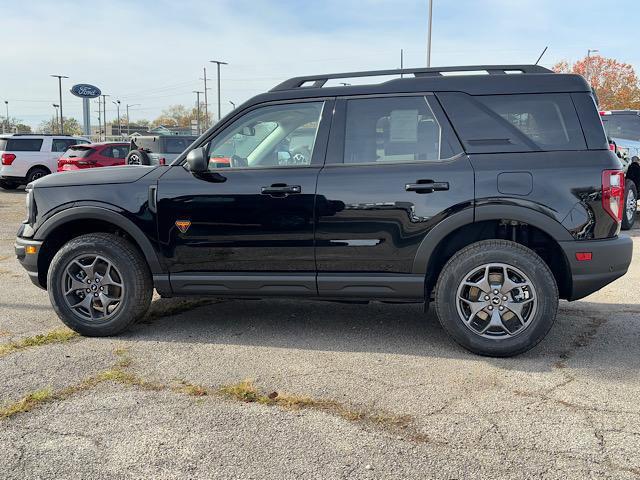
(478, 80)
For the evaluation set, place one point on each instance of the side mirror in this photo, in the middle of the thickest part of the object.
(197, 160)
(283, 157)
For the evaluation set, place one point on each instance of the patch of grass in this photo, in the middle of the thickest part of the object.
(27, 403)
(192, 390)
(59, 335)
(246, 391)
(118, 375)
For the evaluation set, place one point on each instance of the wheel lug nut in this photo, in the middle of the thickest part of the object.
(504, 299)
(95, 294)
(501, 307)
(101, 288)
(495, 292)
(88, 280)
(490, 307)
(486, 297)
(88, 290)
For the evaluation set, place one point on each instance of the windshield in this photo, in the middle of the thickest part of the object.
(77, 152)
(622, 126)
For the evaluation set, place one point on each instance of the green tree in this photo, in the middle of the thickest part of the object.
(14, 125)
(71, 126)
(180, 116)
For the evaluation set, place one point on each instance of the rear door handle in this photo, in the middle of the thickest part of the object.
(281, 190)
(426, 186)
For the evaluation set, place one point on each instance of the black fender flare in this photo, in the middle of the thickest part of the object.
(485, 212)
(107, 215)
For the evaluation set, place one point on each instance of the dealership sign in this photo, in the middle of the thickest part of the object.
(84, 90)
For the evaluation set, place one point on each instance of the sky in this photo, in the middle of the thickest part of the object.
(152, 52)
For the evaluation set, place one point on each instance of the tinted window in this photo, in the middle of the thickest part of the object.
(278, 135)
(78, 152)
(61, 144)
(175, 145)
(622, 126)
(510, 123)
(117, 151)
(398, 129)
(24, 144)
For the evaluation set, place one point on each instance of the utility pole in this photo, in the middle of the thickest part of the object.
(128, 119)
(55, 123)
(218, 63)
(588, 68)
(117, 104)
(429, 36)
(60, 77)
(6, 104)
(104, 114)
(206, 101)
(197, 92)
(99, 119)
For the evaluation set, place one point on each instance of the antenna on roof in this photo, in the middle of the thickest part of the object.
(543, 52)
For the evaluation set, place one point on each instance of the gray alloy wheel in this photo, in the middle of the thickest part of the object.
(496, 300)
(632, 206)
(93, 287)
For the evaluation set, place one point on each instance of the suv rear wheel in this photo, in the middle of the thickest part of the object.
(99, 284)
(630, 204)
(36, 173)
(496, 298)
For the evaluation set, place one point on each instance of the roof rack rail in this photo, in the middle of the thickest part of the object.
(318, 81)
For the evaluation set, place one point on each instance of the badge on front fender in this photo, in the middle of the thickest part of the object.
(183, 225)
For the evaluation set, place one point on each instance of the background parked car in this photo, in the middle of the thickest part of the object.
(26, 158)
(92, 155)
(157, 149)
(623, 130)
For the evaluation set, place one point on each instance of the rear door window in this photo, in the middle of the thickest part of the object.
(62, 144)
(24, 144)
(514, 123)
(392, 129)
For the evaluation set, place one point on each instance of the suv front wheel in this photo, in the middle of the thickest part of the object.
(496, 298)
(99, 284)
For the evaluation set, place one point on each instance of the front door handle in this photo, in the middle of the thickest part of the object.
(426, 186)
(279, 189)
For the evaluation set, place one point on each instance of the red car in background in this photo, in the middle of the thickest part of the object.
(92, 155)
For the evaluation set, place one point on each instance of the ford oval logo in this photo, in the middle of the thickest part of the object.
(84, 90)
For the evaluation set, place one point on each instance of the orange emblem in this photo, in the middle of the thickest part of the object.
(183, 225)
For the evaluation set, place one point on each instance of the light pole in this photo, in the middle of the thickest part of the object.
(54, 126)
(429, 35)
(104, 114)
(218, 63)
(117, 104)
(60, 77)
(128, 120)
(197, 92)
(206, 101)
(588, 68)
(6, 104)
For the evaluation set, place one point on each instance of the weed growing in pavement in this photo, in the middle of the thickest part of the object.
(59, 335)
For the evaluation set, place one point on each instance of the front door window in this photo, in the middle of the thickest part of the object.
(273, 136)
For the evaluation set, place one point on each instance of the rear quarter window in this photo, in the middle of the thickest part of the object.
(514, 123)
(23, 145)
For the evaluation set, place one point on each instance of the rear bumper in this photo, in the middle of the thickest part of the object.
(29, 260)
(610, 260)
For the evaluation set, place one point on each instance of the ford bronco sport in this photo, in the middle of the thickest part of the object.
(492, 194)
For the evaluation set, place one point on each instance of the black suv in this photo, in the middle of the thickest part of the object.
(491, 193)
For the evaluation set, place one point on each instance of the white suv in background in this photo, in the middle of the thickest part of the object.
(25, 157)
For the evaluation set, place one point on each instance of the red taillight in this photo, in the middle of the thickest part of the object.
(612, 147)
(8, 158)
(613, 193)
(162, 161)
